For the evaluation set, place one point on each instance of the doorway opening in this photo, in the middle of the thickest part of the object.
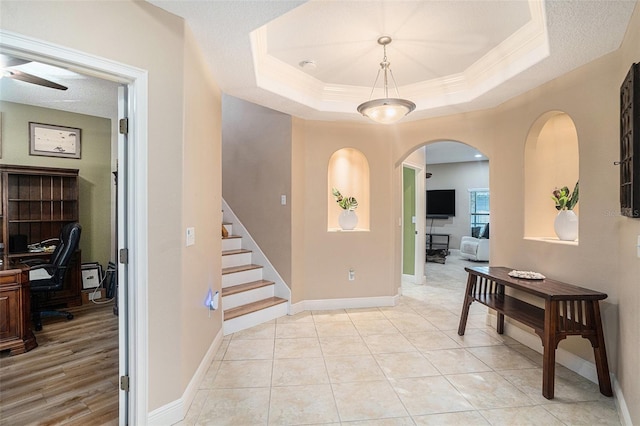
(131, 212)
(447, 174)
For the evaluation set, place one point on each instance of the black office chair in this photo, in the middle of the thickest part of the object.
(54, 273)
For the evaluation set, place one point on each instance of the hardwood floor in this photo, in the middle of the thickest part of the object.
(71, 378)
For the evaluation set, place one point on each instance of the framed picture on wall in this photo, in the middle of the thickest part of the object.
(54, 141)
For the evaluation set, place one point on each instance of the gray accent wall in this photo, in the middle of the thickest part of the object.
(256, 172)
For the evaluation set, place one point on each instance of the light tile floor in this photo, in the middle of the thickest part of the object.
(402, 365)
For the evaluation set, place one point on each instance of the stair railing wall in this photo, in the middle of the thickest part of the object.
(269, 272)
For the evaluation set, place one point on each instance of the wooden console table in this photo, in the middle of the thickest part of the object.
(568, 310)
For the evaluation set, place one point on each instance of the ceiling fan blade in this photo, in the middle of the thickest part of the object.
(10, 61)
(23, 76)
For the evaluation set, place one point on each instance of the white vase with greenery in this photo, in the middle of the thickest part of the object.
(348, 219)
(566, 222)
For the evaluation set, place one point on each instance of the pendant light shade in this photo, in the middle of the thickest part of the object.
(386, 110)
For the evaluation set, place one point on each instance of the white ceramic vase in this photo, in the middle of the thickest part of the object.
(566, 225)
(348, 220)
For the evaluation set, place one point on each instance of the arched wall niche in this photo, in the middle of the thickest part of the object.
(551, 160)
(348, 171)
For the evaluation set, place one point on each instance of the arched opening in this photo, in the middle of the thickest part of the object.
(551, 160)
(348, 172)
(461, 171)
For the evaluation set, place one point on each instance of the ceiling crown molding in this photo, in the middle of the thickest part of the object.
(521, 50)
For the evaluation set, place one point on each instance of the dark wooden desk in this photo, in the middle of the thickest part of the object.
(568, 310)
(15, 311)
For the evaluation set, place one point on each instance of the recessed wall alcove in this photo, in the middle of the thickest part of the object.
(348, 171)
(551, 160)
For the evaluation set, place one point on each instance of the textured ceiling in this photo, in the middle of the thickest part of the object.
(85, 94)
(447, 56)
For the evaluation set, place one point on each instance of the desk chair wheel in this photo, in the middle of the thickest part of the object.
(69, 316)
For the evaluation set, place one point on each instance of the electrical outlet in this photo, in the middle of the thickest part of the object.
(638, 247)
(283, 200)
(352, 274)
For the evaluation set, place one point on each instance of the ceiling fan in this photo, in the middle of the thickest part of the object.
(8, 62)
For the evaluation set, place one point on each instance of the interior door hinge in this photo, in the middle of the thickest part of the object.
(124, 126)
(124, 256)
(124, 383)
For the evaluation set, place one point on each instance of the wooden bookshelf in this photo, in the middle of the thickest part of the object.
(36, 203)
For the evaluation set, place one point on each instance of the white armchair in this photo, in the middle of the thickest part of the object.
(475, 249)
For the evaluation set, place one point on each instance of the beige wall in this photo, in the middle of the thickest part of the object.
(628, 264)
(328, 256)
(95, 178)
(201, 201)
(183, 124)
(256, 171)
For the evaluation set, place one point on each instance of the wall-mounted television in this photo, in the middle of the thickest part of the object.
(441, 203)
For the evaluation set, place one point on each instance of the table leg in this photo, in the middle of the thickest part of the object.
(600, 352)
(500, 316)
(549, 350)
(468, 299)
(500, 323)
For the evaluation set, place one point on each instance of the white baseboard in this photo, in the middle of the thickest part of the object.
(176, 411)
(621, 405)
(573, 362)
(351, 303)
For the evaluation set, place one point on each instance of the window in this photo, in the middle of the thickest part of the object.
(479, 210)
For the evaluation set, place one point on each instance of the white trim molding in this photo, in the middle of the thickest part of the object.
(351, 303)
(176, 411)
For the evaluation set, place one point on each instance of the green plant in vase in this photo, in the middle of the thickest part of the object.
(346, 203)
(564, 199)
(566, 222)
(348, 218)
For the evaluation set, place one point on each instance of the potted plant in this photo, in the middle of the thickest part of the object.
(348, 218)
(566, 222)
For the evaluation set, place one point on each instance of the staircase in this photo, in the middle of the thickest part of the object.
(247, 298)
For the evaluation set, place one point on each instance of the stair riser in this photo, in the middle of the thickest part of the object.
(254, 318)
(245, 297)
(242, 277)
(231, 244)
(236, 259)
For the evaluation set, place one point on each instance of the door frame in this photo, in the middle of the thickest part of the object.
(133, 296)
(420, 213)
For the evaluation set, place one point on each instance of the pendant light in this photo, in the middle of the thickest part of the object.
(386, 110)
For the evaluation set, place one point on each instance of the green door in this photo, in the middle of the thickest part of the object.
(408, 215)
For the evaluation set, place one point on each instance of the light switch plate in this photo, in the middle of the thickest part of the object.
(638, 247)
(191, 236)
